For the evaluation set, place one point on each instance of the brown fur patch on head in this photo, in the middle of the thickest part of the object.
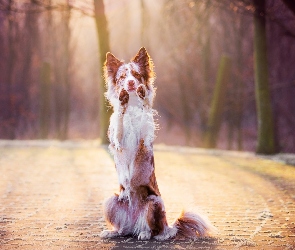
(145, 63)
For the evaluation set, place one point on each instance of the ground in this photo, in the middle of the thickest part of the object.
(52, 194)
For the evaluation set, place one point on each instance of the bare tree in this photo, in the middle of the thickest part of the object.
(61, 62)
(44, 115)
(104, 47)
(10, 110)
(266, 137)
(217, 104)
(186, 51)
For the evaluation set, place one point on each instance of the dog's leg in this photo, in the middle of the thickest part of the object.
(152, 219)
(116, 214)
(157, 221)
(142, 94)
(119, 133)
(123, 98)
(142, 229)
(148, 130)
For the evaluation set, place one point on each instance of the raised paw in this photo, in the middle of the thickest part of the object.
(145, 235)
(109, 234)
(124, 97)
(141, 91)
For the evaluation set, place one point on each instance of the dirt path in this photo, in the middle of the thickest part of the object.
(51, 197)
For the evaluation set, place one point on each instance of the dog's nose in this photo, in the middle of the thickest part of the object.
(131, 83)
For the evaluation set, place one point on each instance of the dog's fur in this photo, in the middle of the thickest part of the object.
(138, 209)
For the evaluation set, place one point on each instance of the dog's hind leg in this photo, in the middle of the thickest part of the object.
(152, 220)
(116, 214)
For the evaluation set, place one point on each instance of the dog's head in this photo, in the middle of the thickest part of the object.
(129, 76)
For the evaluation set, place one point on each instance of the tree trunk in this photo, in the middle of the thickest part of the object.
(215, 115)
(186, 111)
(66, 78)
(31, 49)
(61, 57)
(205, 39)
(10, 113)
(240, 84)
(45, 101)
(104, 47)
(266, 138)
(204, 97)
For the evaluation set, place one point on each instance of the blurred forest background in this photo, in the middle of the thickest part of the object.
(50, 67)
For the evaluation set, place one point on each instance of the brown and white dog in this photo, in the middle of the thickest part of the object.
(138, 209)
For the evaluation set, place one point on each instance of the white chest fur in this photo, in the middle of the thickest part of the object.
(126, 130)
(136, 124)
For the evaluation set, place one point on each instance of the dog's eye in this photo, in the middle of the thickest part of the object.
(121, 77)
(136, 74)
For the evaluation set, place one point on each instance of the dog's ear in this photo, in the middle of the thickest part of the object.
(111, 65)
(145, 63)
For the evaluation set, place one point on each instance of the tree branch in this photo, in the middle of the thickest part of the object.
(290, 4)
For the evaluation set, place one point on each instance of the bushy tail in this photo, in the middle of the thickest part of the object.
(193, 225)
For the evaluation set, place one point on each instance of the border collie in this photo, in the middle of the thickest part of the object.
(138, 209)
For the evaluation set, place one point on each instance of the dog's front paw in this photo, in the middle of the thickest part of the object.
(141, 91)
(124, 97)
(145, 235)
(109, 234)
